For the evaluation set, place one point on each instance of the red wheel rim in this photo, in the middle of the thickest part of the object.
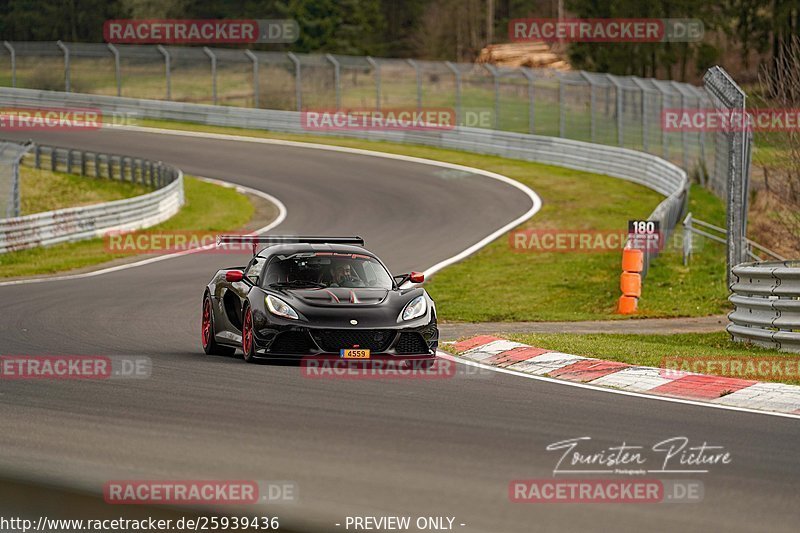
(247, 332)
(206, 329)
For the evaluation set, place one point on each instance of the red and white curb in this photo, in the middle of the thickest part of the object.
(734, 392)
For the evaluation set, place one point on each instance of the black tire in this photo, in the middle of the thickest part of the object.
(207, 332)
(248, 338)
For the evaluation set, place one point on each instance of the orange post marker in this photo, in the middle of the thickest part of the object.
(630, 283)
(627, 305)
(632, 260)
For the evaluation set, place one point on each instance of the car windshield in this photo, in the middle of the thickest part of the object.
(326, 269)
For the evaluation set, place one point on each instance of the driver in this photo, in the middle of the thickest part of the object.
(343, 273)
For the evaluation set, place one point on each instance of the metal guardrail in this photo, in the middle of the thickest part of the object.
(632, 165)
(718, 234)
(78, 223)
(766, 296)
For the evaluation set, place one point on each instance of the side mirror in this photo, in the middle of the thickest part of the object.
(416, 277)
(234, 275)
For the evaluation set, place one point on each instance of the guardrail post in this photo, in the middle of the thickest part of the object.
(298, 81)
(83, 163)
(167, 70)
(496, 80)
(117, 68)
(376, 67)
(415, 66)
(97, 165)
(457, 79)
(687, 238)
(256, 91)
(528, 73)
(53, 159)
(337, 80)
(37, 156)
(213, 59)
(110, 163)
(69, 161)
(64, 49)
(13, 54)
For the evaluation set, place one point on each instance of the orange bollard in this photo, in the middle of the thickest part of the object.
(632, 260)
(626, 305)
(630, 283)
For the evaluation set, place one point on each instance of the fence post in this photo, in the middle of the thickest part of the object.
(496, 81)
(684, 147)
(254, 59)
(687, 238)
(376, 67)
(213, 59)
(457, 78)
(620, 123)
(528, 73)
(64, 49)
(117, 69)
(13, 54)
(419, 82)
(298, 82)
(337, 80)
(562, 117)
(645, 125)
(167, 69)
(592, 100)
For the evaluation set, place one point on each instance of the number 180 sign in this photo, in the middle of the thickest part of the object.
(645, 235)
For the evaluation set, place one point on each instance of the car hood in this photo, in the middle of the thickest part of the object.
(340, 296)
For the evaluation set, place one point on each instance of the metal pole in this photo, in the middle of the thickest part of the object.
(15, 193)
(337, 80)
(528, 73)
(254, 59)
(419, 83)
(592, 101)
(620, 125)
(562, 109)
(213, 59)
(496, 81)
(117, 69)
(377, 68)
(298, 82)
(684, 143)
(168, 70)
(13, 62)
(64, 49)
(457, 77)
(645, 125)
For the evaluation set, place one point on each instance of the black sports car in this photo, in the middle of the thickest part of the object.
(317, 296)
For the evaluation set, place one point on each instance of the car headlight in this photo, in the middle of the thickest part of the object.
(280, 308)
(415, 308)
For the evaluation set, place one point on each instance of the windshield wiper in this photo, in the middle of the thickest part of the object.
(297, 283)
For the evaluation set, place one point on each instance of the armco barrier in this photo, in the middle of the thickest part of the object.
(639, 167)
(78, 223)
(766, 296)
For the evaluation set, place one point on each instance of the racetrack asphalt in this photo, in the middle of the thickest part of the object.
(446, 447)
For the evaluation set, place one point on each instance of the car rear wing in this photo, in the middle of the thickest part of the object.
(256, 240)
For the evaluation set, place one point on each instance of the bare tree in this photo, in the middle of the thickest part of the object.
(780, 82)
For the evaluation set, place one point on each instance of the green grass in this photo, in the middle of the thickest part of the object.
(208, 207)
(497, 284)
(43, 190)
(650, 350)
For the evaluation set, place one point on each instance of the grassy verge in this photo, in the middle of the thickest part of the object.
(498, 284)
(208, 207)
(650, 350)
(43, 190)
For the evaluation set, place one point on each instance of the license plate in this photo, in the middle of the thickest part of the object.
(354, 353)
